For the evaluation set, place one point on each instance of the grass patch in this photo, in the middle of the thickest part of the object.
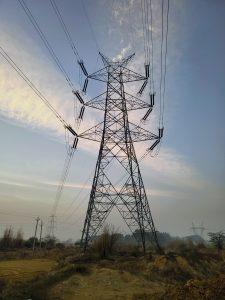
(37, 288)
(25, 269)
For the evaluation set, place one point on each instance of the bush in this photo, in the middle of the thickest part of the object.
(217, 239)
(82, 269)
(29, 243)
(105, 244)
(181, 246)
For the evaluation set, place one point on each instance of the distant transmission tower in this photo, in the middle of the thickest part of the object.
(52, 225)
(198, 230)
(117, 135)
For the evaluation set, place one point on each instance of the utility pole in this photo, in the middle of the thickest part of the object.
(35, 233)
(117, 154)
(40, 239)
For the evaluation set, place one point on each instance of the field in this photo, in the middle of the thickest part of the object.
(20, 270)
(68, 275)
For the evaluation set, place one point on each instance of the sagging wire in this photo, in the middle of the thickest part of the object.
(90, 26)
(131, 27)
(45, 41)
(65, 29)
(67, 164)
(77, 119)
(152, 88)
(163, 69)
(32, 86)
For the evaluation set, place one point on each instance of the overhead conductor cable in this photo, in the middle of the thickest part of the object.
(65, 29)
(31, 85)
(45, 41)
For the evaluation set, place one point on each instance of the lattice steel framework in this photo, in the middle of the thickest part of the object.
(116, 135)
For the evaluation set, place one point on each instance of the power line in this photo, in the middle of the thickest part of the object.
(78, 194)
(74, 49)
(165, 66)
(163, 71)
(161, 65)
(38, 93)
(45, 41)
(145, 28)
(131, 27)
(152, 47)
(89, 23)
(71, 224)
(77, 207)
(48, 46)
(64, 28)
(32, 86)
(64, 176)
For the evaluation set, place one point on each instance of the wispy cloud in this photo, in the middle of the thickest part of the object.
(16, 183)
(71, 185)
(122, 53)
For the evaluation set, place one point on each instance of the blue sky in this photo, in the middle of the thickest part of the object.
(185, 182)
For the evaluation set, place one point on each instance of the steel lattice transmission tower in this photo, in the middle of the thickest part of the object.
(117, 135)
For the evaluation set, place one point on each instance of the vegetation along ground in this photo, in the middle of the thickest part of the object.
(184, 272)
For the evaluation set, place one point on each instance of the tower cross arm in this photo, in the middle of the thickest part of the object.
(123, 62)
(139, 134)
(132, 103)
(130, 76)
(116, 70)
(100, 75)
(94, 133)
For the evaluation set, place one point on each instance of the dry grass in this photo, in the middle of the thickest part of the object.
(106, 283)
(22, 270)
(69, 276)
(210, 289)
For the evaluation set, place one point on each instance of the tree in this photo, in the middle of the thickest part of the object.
(105, 243)
(29, 243)
(217, 239)
(50, 241)
(7, 240)
(18, 240)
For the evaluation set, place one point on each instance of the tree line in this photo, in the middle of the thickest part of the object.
(14, 240)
